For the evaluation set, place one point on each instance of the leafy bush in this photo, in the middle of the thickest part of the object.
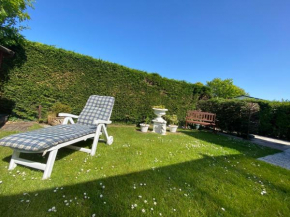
(172, 119)
(238, 116)
(254, 116)
(43, 75)
(60, 108)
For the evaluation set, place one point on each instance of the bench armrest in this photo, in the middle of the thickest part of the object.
(67, 115)
(102, 122)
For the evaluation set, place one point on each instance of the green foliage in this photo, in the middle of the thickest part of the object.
(201, 91)
(146, 120)
(12, 13)
(60, 108)
(225, 88)
(43, 75)
(172, 119)
(275, 119)
(272, 119)
(158, 106)
(238, 116)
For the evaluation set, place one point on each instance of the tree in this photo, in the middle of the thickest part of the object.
(12, 13)
(201, 91)
(224, 88)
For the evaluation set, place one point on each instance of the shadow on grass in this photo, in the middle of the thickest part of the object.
(196, 188)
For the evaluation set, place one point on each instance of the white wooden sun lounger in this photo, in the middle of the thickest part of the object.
(91, 124)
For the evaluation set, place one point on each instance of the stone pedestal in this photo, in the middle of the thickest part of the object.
(159, 127)
(159, 124)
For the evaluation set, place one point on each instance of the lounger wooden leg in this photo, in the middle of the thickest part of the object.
(96, 140)
(49, 164)
(12, 164)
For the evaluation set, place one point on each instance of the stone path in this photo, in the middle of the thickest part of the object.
(17, 126)
(272, 143)
(280, 159)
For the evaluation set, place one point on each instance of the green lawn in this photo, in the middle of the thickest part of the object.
(191, 173)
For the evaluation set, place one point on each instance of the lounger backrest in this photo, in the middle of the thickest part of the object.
(96, 108)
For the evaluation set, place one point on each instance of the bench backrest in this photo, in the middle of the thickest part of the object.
(200, 116)
(96, 108)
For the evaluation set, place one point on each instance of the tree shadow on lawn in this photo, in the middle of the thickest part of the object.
(201, 187)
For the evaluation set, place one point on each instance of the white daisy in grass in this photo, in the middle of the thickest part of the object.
(85, 193)
(135, 205)
(143, 210)
(27, 201)
(155, 203)
(154, 199)
(101, 183)
(63, 195)
(101, 195)
(65, 201)
(105, 202)
(140, 196)
(160, 214)
(103, 186)
(36, 195)
(94, 215)
(223, 209)
(145, 201)
(151, 209)
(132, 207)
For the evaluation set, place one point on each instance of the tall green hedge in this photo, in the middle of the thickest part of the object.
(43, 75)
(269, 118)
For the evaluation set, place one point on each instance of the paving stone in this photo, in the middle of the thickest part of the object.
(279, 159)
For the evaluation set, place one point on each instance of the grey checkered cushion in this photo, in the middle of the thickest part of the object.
(45, 138)
(97, 108)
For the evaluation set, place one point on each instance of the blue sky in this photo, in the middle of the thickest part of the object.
(194, 41)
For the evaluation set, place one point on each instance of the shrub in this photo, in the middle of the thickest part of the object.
(43, 75)
(268, 118)
(172, 119)
(233, 115)
(59, 108)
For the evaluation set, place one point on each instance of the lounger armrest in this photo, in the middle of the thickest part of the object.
(67, 115)
(102, 122)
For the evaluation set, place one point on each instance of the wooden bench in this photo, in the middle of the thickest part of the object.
(202, 118)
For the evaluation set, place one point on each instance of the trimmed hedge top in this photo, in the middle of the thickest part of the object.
(43, 75)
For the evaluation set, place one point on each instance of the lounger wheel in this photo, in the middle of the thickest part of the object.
(110, 140)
